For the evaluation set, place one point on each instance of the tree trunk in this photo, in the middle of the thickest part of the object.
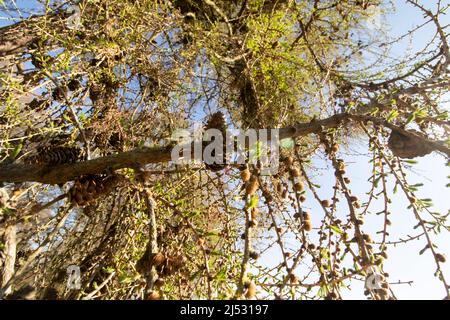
(9, 259)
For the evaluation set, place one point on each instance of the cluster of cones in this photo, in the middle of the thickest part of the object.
(165, 265)
(217, 121)
(49, 155)
(88, 188)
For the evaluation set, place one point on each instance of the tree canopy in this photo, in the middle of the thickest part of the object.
(92, 93)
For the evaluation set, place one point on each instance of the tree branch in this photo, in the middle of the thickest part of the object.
(10, 241)
(129, 159)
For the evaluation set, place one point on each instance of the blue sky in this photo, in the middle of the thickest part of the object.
(405, 263)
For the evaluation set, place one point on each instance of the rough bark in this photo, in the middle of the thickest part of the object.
(9, 252)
